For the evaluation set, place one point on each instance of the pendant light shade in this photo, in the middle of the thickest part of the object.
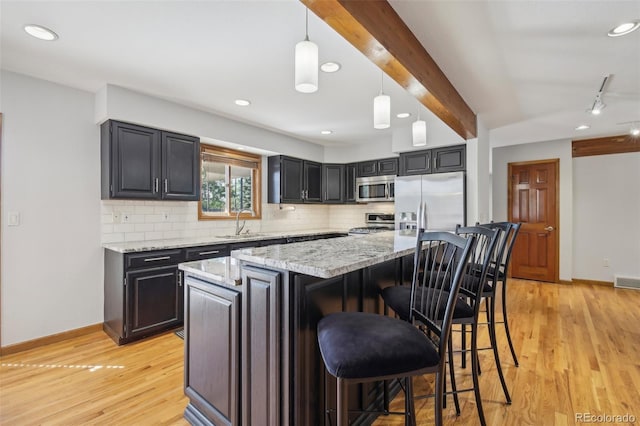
(306, 63)
(382, 111)
(419, 131)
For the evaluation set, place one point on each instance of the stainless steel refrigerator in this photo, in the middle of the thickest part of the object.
(433, 202)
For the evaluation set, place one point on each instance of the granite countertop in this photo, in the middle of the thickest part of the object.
(332, 257)
(221, 270)
(137, 246)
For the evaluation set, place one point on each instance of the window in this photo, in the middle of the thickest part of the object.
(230, 183)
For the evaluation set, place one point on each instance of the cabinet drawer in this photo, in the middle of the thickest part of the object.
(154, 258)
(206, 252)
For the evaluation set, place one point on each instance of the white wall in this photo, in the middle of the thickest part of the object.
(357, 152)
(52, 262)
(606, 216)
(560, 149)
(477, 176)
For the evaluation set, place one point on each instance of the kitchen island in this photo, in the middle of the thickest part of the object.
(251, 352)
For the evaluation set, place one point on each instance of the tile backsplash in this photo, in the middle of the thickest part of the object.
(124, 220)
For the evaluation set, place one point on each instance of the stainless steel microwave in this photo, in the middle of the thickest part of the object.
(375, 188)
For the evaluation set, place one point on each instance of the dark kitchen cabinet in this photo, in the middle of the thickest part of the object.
(382, 167)
(144, 163)
(436, 160)
(333, 183)
(449, 159)
(206, 252)
(143, 293)
(292, 180)
(212, 339)
(350, 183)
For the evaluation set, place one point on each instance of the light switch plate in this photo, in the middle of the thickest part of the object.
(14, 219)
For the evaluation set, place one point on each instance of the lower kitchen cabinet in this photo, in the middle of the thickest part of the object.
(143, 293)
(212, 339)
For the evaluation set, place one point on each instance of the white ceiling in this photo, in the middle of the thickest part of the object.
(529, 69)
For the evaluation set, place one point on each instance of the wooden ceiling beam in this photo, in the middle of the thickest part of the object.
(374, 28)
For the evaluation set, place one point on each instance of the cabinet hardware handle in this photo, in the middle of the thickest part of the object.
(153, 259)
(179, 279)
(435, 162)
(549, 228)
(166, 186)
(156, 185)
(202, 253)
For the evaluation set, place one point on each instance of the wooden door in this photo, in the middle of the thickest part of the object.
(533, 201)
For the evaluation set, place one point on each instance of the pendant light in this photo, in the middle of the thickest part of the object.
(382, 109)
(306, 63)
(419, 131)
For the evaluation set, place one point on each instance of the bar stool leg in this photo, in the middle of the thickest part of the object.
(506, 320)
(342, 408)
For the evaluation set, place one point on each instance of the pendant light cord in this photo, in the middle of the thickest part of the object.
(306, 25)
(381, 81)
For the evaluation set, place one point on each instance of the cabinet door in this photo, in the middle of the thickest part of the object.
(291, 180)
(135, 161)
(350, 183)
(388, 166)
(333, 183)
(212, 352)
(180, 167)
(312, 182)
(449, 159)
(154, 300)
(415, 163)
(368, 168)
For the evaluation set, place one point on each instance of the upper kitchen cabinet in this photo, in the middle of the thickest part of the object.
(350, 172)
(382, 167)
(333, 183)
(292, 180)
(144, 163)
(436, 160)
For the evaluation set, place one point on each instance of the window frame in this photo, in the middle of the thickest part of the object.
(256, 182)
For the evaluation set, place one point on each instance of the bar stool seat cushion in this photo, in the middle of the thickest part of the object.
(357, 345)
(398, 298)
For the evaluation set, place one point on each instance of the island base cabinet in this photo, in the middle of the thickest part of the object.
(212, 354)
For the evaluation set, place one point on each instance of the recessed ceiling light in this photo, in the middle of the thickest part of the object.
(241, 148)
(403, 115)
(326, 132)
(242, 102)
(330, 67)
(624, 29)
(40, 32)
(583, 127)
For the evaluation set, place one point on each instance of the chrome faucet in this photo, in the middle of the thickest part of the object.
(238, 227)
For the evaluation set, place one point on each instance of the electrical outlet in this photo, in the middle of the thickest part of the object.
(126, 217)
(116, 217)
(605, 262)
(165, 216)
(14, 219)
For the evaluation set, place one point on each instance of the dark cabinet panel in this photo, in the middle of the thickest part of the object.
(382, 167)
(388, 166)
(350, 183)
(449, 159)
(415, 163)
(212, 339)
(436, 160)
(206, 252)
(333, 183)
(154, 300)
(144, 163)
(312, 182)
(292, 180)
(180, 167)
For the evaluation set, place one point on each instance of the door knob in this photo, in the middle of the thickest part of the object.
(549, 228)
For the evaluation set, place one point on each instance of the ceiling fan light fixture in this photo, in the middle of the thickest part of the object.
(583, 127)
(306, 63)
(624, 29)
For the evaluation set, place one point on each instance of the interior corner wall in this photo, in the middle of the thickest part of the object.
(357, 152)
(51, 262)
(560, 149)
(606, 200)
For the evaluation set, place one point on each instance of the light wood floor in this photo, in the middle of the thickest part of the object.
(579, 350)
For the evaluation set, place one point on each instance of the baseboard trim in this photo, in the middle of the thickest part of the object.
(592, 282)
(47, 340)
(565, 282)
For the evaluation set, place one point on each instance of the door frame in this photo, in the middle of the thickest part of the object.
(556, 162)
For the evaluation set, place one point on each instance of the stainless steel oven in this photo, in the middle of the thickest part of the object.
(376, 188)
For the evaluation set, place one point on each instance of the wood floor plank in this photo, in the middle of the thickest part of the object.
(578, 348)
